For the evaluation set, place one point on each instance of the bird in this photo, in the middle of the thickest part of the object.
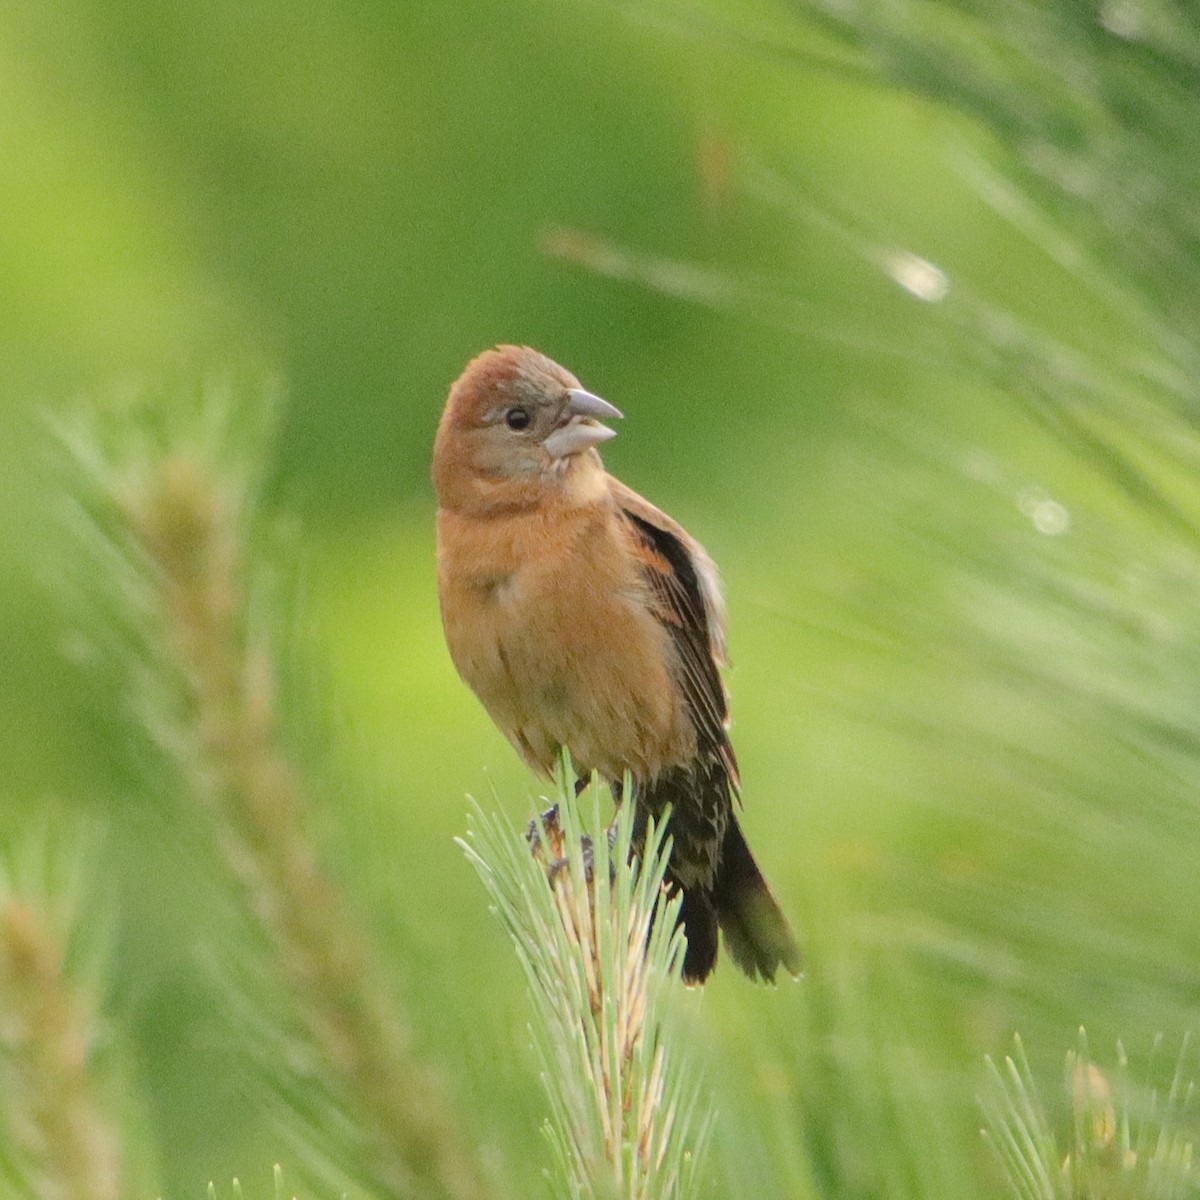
(586, 619)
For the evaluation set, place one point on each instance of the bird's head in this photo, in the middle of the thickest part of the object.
(516, 422)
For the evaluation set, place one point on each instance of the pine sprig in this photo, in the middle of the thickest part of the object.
(600, 950)
(58, 1139)
(1125, 1142)
(168, 513)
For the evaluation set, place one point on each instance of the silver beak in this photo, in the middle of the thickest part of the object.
(581, 430)
(584, 404)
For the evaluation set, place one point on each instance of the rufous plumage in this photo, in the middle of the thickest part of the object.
(584, 617)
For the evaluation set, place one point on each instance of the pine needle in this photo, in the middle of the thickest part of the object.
(600, 950)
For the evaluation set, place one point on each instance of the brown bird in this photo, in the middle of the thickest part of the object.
(583, 617)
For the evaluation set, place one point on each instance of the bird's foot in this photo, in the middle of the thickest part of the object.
(545, 837)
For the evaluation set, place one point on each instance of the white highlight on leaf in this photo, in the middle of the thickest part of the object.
(1123, 19)
(1047, 515)
(917, 276)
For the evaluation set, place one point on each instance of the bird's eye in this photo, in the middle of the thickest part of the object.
(517, 418)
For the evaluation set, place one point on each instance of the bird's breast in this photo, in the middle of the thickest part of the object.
(547, 620)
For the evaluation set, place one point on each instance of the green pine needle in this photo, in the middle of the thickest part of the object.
(601, 957)
(1125, 1143)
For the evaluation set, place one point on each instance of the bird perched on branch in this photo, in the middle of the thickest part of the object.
(583, 617)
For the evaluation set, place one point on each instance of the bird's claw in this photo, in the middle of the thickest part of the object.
(544, 833)
(545, 837)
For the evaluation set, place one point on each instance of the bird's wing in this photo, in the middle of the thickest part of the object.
(687, 599)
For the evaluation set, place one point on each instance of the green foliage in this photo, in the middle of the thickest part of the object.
(601, 952)
(1125, 1142)
(56, 1136)
(900, 301)
(170, 516)
(235, 1188)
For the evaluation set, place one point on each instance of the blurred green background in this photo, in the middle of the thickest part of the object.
(899, 304)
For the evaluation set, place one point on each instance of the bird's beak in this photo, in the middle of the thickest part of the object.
(584, 404)
(578, 429)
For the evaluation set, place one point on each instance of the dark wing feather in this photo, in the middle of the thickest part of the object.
(676, 588)
(710, 860)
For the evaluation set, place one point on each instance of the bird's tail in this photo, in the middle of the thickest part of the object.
(699, 920)
(757, 934)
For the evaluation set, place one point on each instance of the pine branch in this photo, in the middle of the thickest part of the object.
(600, 950)
(65, 1147)
(1125, 1143)
(177, 508)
